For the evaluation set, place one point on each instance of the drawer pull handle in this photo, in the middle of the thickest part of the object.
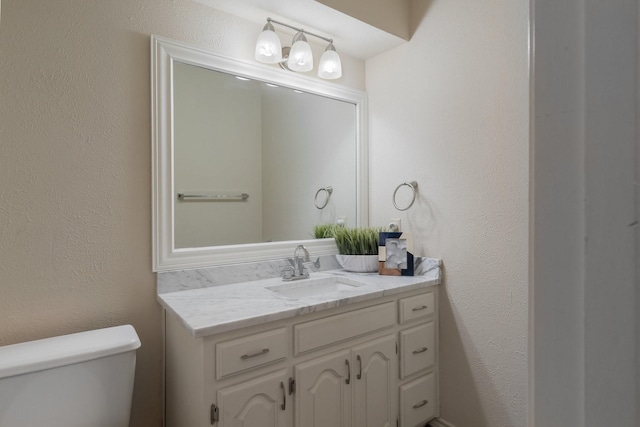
(259, 353)
(421, 404)
(348, 380)
(359, 376)
(284, 397)
(420, 350)
(422, 307)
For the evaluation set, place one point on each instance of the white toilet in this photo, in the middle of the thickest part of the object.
(77, 380)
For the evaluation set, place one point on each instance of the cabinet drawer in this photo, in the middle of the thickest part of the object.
(417, 346)
(250, 352)
(416, 307)
(333, 329)
(418, 401)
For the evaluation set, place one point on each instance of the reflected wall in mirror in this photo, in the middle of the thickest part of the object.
(275, 144)
(223, 128)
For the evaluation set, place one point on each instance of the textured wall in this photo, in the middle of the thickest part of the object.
(75, 166)
(450, 110)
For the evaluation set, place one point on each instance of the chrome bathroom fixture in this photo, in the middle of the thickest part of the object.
(214, 197)
(299, 56)
(327, 190)
(414, 189)
(297, 269)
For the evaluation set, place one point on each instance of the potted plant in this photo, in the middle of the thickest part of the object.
(357, 247)
(323, 231)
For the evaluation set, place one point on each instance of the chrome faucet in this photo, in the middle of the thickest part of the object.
(297, 269)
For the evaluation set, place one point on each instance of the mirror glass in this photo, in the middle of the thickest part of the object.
(277, 146)
(248, 158)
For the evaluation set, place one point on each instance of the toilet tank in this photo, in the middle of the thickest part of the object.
(77, 380)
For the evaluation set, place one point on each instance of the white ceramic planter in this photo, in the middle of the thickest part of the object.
(358, 263)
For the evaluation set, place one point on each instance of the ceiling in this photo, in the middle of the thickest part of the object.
(351, 36)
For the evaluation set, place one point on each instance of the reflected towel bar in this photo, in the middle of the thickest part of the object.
(212, 197)
(321, 205)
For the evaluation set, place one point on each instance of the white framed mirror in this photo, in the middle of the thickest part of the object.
(242, 155)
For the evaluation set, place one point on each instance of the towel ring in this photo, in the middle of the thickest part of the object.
(414, 188)
(328, 191)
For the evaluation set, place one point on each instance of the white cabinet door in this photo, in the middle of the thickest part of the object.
(262, 402)
(375, 365)
(323, 391)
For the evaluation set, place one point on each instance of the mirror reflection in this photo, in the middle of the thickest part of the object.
(238, 162)
(253, 160)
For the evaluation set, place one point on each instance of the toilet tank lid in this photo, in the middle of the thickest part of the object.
(64, 350)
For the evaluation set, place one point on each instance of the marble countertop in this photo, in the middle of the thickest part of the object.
(212, 310)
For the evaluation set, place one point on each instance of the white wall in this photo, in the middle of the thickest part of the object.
(558, 192)
(450, 110)
(75, 166)
(584, 232)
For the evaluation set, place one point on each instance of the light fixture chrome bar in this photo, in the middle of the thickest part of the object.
(300, 30)
(212, 197)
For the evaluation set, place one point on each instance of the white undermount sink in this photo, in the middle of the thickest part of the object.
(314, 287)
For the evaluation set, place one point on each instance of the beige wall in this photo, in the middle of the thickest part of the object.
(450, 110)
(75, 166)
(391, 16)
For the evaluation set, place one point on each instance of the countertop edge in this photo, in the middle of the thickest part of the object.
(202, 331)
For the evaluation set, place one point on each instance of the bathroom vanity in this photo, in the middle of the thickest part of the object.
(242, 346)
(337, 349)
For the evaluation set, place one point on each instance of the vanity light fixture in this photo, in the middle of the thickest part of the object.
(330, 66)
(268, 47)
(299, 56)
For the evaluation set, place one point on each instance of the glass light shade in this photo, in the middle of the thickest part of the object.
(268, 47)
(330, 66)
(300, 57)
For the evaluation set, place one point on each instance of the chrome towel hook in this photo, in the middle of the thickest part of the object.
(414, 189)
(328, 191)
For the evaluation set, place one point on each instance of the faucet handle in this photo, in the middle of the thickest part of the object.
(314, 265)
(287, 271)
